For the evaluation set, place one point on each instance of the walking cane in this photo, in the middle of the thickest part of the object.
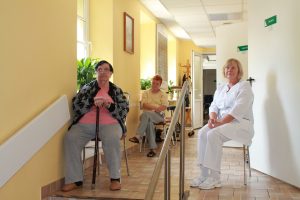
(96, 153)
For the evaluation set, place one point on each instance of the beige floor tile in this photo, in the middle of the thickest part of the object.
(259, 186)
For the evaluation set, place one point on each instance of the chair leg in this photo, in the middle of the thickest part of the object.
(173, 138)
(248, 156)
(83, 160)
(98, 160)
(245, 177)
(141, 144)
(83, 156)
(126, 159)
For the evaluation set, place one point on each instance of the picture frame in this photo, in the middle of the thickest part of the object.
(128, 33)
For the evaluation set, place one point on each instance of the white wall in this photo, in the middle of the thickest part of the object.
(274, 62)
(229, 37)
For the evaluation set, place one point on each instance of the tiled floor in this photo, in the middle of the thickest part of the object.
(260, 186)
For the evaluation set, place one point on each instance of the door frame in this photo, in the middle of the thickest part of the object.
(194, 54)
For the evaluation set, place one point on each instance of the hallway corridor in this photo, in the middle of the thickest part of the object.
(260, 186)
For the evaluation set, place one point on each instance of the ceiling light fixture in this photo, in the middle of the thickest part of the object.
(159, 10)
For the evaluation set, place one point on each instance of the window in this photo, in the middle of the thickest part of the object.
(82, 29)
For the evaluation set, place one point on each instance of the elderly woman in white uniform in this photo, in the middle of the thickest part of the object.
(230, 118)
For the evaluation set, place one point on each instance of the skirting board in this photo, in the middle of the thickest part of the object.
(19, 149)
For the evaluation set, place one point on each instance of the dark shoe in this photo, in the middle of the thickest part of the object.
(69, 187)
(190, 134)
(115, 185)
(151, 154)
(134, 140)
(158, 139)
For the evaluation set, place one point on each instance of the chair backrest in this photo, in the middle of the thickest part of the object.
(171, 109)
(127, 95)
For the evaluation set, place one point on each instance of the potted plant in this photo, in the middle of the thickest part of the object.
(85, 71)
(145, 84)
(170, 89)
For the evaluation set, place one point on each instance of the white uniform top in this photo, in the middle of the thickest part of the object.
(238, 103)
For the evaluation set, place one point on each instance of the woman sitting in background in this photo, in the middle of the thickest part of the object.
(154, 103)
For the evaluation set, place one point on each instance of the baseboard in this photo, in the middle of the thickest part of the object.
(52, 188)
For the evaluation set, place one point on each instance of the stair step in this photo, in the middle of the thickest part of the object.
(87, 198)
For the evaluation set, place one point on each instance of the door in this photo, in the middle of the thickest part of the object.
(209, 87)
(197, 100)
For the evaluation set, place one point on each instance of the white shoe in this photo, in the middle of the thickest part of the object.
(197, 181)
(210, 183)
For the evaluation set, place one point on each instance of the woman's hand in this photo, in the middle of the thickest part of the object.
(98, 101)
(159, 108)
(212, 123)
(123, 136)
(101, 102)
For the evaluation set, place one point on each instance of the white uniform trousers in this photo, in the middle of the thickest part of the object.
(209, 149)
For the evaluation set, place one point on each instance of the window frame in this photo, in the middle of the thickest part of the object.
(85, 42)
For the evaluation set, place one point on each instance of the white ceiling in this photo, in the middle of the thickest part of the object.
(197, 18)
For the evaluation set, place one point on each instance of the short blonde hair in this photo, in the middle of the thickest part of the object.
(239, 65)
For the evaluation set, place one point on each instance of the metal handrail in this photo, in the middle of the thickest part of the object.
(165, 153)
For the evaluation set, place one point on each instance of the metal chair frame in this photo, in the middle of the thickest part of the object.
(246, 161)
(165, 124)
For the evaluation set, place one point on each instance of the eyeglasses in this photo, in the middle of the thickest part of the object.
(103, 70)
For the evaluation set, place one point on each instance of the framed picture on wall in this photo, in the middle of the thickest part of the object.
(128, 33)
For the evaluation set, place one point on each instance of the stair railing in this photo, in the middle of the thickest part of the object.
(165, 154)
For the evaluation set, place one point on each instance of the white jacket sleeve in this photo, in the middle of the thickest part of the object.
(213, 106)
(243, 102)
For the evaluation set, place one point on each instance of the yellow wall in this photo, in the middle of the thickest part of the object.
(185, 49)
(38, 51)
(127, 66)
(172, 59)
(101, 29)
(38, 64)
(148, 47)
(106, 36)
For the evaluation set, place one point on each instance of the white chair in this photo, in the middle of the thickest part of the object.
(246, 161)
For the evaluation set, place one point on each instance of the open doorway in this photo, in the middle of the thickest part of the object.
(209, 83)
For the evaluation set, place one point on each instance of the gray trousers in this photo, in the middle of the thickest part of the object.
(146, 126)
(76, 139)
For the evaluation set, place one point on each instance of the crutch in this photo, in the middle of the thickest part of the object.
(96, 153)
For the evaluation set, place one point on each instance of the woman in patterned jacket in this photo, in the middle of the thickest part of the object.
(113, 108)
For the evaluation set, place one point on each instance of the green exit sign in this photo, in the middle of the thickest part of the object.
(270, 21)
(243, 48)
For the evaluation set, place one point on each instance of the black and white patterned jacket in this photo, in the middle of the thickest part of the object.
(84, 100)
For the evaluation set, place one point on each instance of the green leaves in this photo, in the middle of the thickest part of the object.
(85, 71)
(145, 84)
(170, 85)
